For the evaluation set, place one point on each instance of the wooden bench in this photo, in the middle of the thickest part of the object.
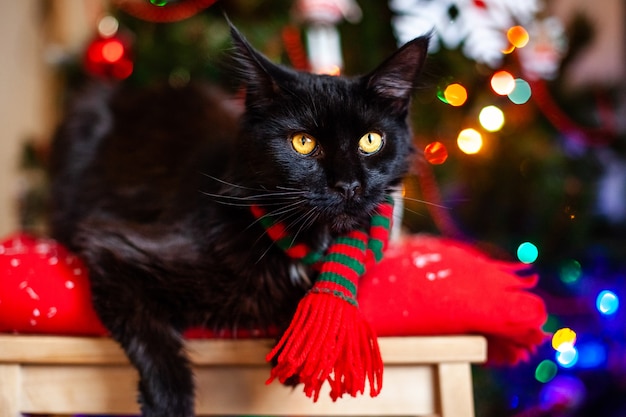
(424, 376)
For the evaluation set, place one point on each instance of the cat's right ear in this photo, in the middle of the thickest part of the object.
(260, 76)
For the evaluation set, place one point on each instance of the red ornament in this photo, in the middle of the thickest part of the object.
(109, 58)
(44, 289)
(164, 13)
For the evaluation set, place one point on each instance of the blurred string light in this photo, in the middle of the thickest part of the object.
(435, 153)
(564, 341)
(108, 26)
(455, 95)
(502, 83)
(470, 141)
(562, 393)
(592, 354)
(521, 92)
(518, 36)
(563, 338)
(491, 118)
(545, 371)
(527, 253)
(607, 302)
(567, 355)
(570, 272)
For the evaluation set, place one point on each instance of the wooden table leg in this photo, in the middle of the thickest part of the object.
(455, 389)
(9, 394)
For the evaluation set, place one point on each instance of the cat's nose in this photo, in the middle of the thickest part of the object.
(348, 189)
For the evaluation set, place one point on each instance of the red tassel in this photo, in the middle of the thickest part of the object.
(329, 340)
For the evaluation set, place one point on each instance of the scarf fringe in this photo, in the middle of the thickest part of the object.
(328, 340)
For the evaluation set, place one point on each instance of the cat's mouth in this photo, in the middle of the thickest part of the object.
(344, 222)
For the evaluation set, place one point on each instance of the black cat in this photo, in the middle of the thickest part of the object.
(153, 188)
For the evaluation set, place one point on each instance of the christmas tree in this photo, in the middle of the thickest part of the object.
(513, 161)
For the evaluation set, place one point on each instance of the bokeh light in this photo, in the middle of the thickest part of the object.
(567, 355)
(491, 118)
(112, 51)
(545, 371)
(455, 95)
(521, 92)
(527, 253)
(592, 354)
(470, 141)
(570, 271)
(607, 302)
(108, 26)
(436, 153)
(564, 392)
(503, 83)
(563, 338)
(518, 36)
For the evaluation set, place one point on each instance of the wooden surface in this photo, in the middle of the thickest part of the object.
(424, 376)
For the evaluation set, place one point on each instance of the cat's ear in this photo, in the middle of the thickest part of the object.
(396, 77)
(259, 74)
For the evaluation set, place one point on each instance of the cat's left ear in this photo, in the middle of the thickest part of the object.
(396, 77)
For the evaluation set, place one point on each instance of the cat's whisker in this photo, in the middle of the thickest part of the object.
(263, 189)
(417, 200)
(286, 209)
(250, 200)
(417, 213)
(307, 219)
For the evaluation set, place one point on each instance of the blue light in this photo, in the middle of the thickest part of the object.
(592, 354)
(567, 357)
(607, 302)
(527, 253)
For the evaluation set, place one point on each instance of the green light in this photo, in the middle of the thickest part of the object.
(521, 93)
(552, 324)
(546, 371)
(159, 3)
(570, 272)
(527, 253)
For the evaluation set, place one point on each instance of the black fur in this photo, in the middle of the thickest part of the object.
(152, 188)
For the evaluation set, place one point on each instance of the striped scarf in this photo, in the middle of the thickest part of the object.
(328, 338)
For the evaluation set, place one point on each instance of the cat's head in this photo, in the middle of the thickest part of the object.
(331, 146)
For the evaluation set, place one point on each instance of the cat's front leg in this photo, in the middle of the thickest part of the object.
(141, 324)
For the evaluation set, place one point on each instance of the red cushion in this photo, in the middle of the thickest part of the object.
(424, 286)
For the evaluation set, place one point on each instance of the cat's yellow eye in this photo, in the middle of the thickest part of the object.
(303, 144)
(370, 143)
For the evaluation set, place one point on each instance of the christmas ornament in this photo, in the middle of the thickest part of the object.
(478, 27)
(328, 340)
(44, 289)
(323, 42)
(162, 11)
(109, 57)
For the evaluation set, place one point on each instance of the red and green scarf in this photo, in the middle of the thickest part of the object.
(328, 338)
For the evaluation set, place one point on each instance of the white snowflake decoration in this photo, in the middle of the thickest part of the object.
(478, 25)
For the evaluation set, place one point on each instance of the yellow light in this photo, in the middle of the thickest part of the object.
(470, 141)
(333, 70)
(455, 94)
(502, 83)
(563, 339)
(491, 118)
(509, 49)
(518, 36)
